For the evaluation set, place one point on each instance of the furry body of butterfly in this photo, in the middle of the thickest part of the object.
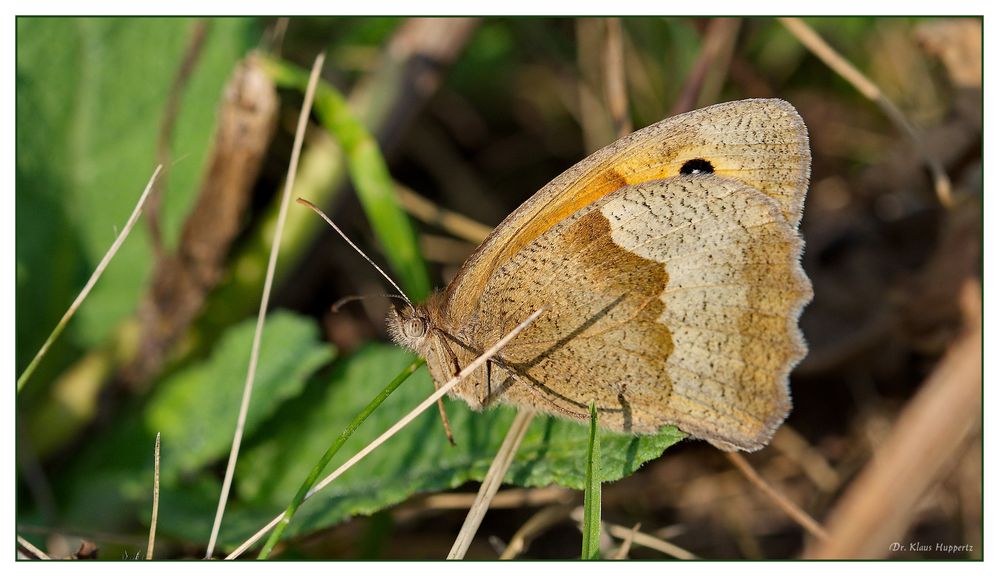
(669, 266)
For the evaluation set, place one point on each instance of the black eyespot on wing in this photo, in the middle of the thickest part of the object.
(697, 166)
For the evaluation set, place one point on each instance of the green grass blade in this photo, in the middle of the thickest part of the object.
(591, 493)
(275, 536)
(369, 174)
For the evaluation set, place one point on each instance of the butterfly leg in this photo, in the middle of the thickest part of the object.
(489, 382)
(455, 369)
(447, 425)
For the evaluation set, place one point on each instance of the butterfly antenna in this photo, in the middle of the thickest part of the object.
(354, 246)
(349, 299)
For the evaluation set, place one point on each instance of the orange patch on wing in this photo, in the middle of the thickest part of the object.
(604, 182)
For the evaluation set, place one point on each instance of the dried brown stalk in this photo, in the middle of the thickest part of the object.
(615, 84)
(834, 60)
(711, 67)
(182, 280)
(30, 548)
(785, 504)
(537, 524)
(639, 538)
(625, 548)
(491, 483)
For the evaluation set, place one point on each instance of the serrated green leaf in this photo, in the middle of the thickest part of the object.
(196, 409)
(310, 482)
(419, 458)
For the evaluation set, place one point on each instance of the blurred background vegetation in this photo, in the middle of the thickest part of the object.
(472, 117)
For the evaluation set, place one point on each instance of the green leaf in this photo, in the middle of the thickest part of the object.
(110, 481)
(90, 99)
(370, 176)
(196, 408)
(331, 452)
(419, 458)
(591, 494)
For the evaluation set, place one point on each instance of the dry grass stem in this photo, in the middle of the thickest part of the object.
(31, 548)
(156, 499)
(444, 249)
(712, 62)
(625, 548)
(937, 423)
(431, 400)
(491, 483)
(650, 542)
(639, 538)
(727, 32)
(427, 211)
(515, 498)
(407, 73)
(834, 60)
(792, 445)
(254, 538)
(264, 300)
(590, 86)
(615, 84)
(136, 212)
(535, 525)
(508, 499)
(785, 504)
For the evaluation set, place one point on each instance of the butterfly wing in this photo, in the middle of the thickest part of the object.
(760, 142)
(669, 302)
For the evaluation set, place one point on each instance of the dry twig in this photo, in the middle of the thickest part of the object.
(615, 85)
(785, 504)
(639, 538)
(539, 522)
(426, 210)
(622, 551)
(795, 447)
(833, 59)
(164, 140)
(705, 77)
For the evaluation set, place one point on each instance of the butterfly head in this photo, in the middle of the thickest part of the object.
(409, 326)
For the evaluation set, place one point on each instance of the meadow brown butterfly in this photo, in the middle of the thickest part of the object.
(669, 266)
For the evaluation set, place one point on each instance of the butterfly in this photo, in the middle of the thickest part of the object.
(669, 267)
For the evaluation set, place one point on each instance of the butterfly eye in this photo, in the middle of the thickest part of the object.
(415, 328)
(697, 166)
